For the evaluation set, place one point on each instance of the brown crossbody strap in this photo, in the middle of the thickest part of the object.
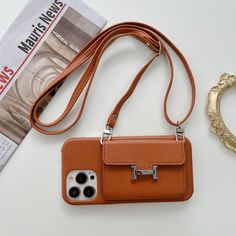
(92, 53)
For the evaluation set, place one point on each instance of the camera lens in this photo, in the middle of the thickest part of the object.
(74, 192)
(89, 192)
(81, 178)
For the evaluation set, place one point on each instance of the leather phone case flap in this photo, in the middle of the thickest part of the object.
(120, 155)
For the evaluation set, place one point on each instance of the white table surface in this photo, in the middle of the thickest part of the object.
(30, 193)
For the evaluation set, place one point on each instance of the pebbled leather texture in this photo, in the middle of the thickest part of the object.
(112, 162)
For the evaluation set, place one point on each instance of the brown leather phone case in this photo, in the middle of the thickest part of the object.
(112, 163)
(129, 169)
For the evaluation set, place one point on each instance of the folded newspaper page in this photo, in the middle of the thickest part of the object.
(40, 43)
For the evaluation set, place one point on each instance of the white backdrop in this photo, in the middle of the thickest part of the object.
(30, 194)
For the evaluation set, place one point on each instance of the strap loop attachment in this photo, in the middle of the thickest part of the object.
(107, 133)
(179, 133)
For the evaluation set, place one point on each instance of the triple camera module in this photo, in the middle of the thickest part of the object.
(82, 185)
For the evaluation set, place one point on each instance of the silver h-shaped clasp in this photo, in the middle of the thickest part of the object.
(135, 172)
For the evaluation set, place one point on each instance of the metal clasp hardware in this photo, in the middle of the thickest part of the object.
(107, 133)
(179, 132)
(135, 172)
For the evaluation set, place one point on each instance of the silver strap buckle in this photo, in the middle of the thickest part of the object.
(135, 172)
(107, 133)
(179, 132)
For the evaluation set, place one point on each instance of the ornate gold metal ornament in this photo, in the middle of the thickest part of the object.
(217, 125)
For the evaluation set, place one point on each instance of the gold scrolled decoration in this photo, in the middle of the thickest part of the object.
(217, 125)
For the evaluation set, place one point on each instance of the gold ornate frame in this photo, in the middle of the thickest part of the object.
(217, 125)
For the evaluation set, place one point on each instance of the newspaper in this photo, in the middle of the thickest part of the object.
(40, 43)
